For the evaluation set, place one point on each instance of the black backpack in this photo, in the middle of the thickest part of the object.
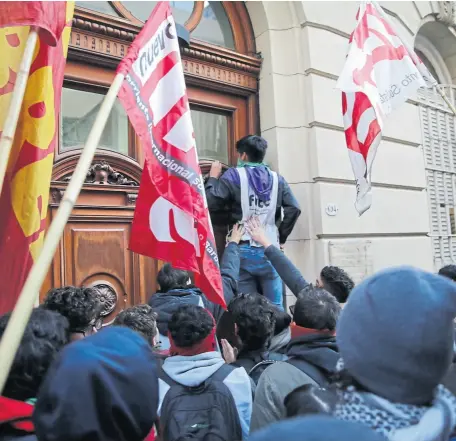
(205, 413)
(256, 365)
(315, 373)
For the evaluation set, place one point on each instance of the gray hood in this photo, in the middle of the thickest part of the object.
(193, 370)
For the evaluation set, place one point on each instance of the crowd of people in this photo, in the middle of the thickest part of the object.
(369, 362)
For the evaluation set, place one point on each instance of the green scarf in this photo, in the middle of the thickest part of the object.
(242, 163)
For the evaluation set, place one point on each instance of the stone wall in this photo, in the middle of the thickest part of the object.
(303, 45)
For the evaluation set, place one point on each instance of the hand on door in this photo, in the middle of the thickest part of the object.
(216, 170)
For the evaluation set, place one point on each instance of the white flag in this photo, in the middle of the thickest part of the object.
(381, 72)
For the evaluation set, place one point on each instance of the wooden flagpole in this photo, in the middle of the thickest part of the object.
(30, 292)
(7, 139)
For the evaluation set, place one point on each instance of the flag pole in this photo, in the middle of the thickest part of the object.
(7, 138)
(445, 98)
(24, 306)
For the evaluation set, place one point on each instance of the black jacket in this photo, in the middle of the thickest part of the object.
(165, 304)
(224, 202)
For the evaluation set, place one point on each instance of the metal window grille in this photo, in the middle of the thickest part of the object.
(439, 148)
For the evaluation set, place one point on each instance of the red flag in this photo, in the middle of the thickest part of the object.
(171, 220)
(380, 73)
(25, 195)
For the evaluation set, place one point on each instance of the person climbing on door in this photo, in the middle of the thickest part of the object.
(252, 189)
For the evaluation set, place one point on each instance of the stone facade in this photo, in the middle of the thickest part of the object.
(303, 45)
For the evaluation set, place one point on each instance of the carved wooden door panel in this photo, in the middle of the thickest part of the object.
(94, 248)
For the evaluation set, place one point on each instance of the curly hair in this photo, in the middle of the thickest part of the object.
(255, 320)
(46, 333)
(337, 282)
(171, 278)
(79, 305)
(448, 271)
(189, 325)
(317, 309)
(139, 318)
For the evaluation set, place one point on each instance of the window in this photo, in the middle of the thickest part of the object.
(103, 7)
(214, 26)
(79, 109)
(439, 146)
(142, 10)
(211, 134)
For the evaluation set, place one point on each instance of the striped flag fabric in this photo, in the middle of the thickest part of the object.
(381, 72)
(25, 194)
(171, 220)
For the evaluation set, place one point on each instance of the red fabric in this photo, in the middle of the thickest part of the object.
(49, 16)
(151, 436)
(299, 331)
(171, 221)
(13, 410)
(206, 345)
(25, 193)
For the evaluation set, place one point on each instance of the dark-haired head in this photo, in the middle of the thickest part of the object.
(81, 306)
(337, 282)
(190, 325)
(139, 318)
(46, 333)
(310, 399)
(448, 271)
(255, 320)
(171, 278)
(252, 148)
(316, 309)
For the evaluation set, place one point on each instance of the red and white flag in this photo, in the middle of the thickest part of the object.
(381, 72)
(171, 221)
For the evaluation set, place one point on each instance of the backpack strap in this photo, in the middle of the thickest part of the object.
(165, 377)
(310, 370)
(222, 372)
(219, 375)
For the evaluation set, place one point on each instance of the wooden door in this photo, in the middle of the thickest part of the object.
(221, 70)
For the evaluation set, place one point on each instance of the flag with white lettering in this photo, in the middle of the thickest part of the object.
(381, 72)
(171, 221)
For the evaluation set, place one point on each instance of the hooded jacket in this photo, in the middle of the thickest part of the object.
(193, 370)
(408, 314)
(224, 198)
(165, 304)
(16, 420)
(101, 388)
(278, 380)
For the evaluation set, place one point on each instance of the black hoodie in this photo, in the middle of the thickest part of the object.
(165, 304)
(101, 388)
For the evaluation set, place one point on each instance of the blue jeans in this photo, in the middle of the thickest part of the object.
(258, 275)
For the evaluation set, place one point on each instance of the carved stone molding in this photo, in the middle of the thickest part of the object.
(447, 13)
(103, 174)
(252, 66)
(131, 198)
(215, 73)
(108, 297)
(102, 29)
(56, 195)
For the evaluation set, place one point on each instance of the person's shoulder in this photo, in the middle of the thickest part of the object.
(238, 374)
(282, 372)
(231, 175)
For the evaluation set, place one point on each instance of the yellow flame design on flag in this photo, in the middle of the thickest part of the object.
(29, 170)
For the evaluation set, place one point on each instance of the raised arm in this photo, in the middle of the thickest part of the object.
(219, 194)
(291, 276)
(231, 263)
